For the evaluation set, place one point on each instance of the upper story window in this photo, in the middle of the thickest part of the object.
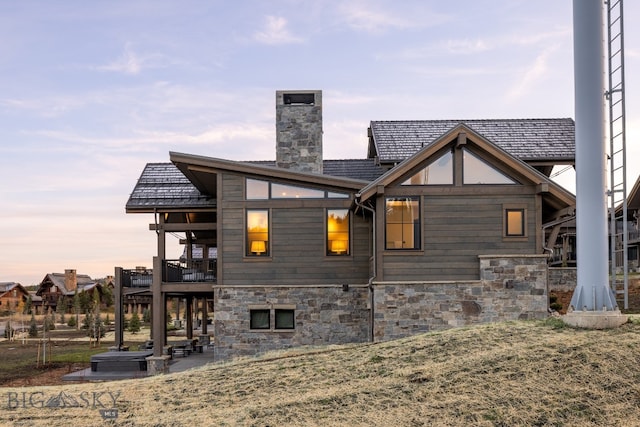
(438, 172)
(338, 232)
(514, 221)
(281, 191)
(477, 171)
(402, 227)
(263, 190)
(257, 190)
(257, 233)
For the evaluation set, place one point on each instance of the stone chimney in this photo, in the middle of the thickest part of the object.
(70, 280)
(299, 130)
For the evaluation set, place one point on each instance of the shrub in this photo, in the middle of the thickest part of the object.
(97, 329)
(33, 327)
(134, 323)
(49, 323)
(72, 322)
(8, 330)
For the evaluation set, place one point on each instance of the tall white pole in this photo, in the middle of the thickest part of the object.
(592, 291)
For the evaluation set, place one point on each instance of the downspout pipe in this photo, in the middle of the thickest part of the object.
(374, 259)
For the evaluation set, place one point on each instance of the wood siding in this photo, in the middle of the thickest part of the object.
(456, 228)
(297, 239)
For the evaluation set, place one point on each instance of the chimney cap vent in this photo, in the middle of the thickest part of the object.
(299, 98)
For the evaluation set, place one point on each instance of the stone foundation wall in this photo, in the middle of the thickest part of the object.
(563, 279)
(511, 288)
(323, 315)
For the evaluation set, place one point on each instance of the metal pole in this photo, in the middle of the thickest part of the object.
(592, 290)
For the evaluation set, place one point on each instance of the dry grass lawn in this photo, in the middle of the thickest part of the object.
(517, 373)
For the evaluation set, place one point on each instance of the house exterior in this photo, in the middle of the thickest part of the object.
(12, 296)
(55, 286)
(444, 223)
(633, 229)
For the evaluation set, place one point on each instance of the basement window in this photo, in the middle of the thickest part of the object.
(299, 99)
(284, 319)
(260, 319)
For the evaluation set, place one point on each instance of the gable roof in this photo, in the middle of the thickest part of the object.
(536, 141)
(57, 279)
(6, 287)
(561, 196)
(633, 197)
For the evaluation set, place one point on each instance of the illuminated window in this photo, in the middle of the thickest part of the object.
(338, 232)
(477, 171)
(514, 222)
(402, 223)
(439, 172)
(257, 232)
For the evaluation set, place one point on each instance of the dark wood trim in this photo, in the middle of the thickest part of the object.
(184, 226)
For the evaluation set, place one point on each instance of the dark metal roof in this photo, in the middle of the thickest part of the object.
(527, 139)
(362, 169)
(162, 185)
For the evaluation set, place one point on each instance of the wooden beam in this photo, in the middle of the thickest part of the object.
(183, 226)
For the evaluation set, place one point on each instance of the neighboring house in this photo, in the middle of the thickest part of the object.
(633, 229)
(12, 295)
(37, 307)
(136, 289)
(55, 286)
(445, 223)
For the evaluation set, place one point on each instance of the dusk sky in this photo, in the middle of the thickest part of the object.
(91, 91)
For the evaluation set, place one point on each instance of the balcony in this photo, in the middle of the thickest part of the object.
(136, 279)
(191, 271)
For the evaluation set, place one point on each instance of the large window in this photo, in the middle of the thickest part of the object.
(263, 190)
(477, 171)
(257, 232)
(338, 232)
(402, 223)
(438, 172)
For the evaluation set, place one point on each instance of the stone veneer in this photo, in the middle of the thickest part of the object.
(510, 288)
(299, 130)
(563, 279)
(323, 315)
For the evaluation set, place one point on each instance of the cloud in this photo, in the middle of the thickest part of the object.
(127, 63)
(534, 73)
(474, 46)
(132, 63)
(275, 32)
(365, 16)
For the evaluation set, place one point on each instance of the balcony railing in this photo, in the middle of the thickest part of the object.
(136, 279)
(198, 270)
